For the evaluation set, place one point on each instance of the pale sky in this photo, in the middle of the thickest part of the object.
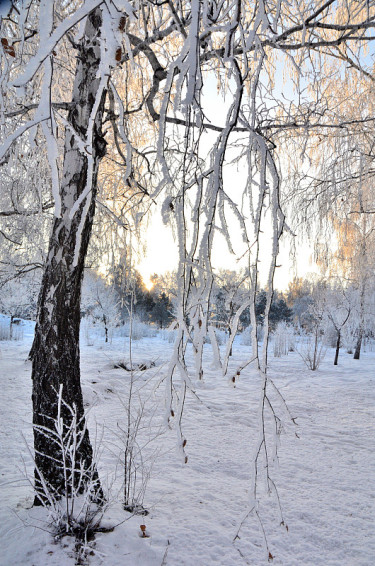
(161, 253)
(161, 256)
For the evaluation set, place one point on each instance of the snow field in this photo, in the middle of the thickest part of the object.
(325, 476)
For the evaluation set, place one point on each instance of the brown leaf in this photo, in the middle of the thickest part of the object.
(118, 54)
(184, 442)
(122, 22)
(270, 557)
(9, 49)
(186, 459)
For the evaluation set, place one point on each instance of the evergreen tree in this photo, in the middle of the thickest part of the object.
(279, 309)
(161, 313)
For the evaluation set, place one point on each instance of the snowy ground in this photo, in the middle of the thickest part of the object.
(326, 475)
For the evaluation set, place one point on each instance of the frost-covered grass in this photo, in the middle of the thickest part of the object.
(93, 331)
(325, 474)
(136, 329)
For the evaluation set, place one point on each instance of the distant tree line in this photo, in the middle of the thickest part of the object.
(153, 305)
(322, 306)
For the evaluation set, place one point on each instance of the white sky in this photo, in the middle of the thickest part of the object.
(161, 251)
(161, 256)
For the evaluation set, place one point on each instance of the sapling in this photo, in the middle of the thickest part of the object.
(312, 351)
(135, 468)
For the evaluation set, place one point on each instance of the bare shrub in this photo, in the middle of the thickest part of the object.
(135, 434)
(311, 349)
(79, 511)
(283, 339)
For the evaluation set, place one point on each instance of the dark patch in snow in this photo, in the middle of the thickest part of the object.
(136, 510)
(142, 366)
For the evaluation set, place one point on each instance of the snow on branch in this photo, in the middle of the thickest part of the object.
(48, 46)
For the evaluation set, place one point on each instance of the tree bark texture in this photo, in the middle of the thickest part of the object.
(55, 352)
(337, 348)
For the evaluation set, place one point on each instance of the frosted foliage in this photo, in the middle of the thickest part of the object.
(311, 348)
(194, 177)
(218, 173)
(18, 298)
(168, 335)
(349, 337)
(283, 339)
(248, 333)
(246, 336)
(137, 330)
(49, 127)
(99, 305)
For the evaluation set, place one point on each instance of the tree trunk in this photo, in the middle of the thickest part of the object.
(337, 348)
(55, 352)
(315, 358)
(230, 334)
(358, 345)
(11, 327)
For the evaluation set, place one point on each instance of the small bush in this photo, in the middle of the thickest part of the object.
(283, 339)
(137, 330)
(168, 335)
(246, 335)
(87, 330)
(221, 337)
(311, 349)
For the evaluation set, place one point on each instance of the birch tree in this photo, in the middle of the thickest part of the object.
(338, 308)
(335, 185)
(355, 257)
(138, 75)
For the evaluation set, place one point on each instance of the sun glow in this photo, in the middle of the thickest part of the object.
(161, 256)
(147, 282)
